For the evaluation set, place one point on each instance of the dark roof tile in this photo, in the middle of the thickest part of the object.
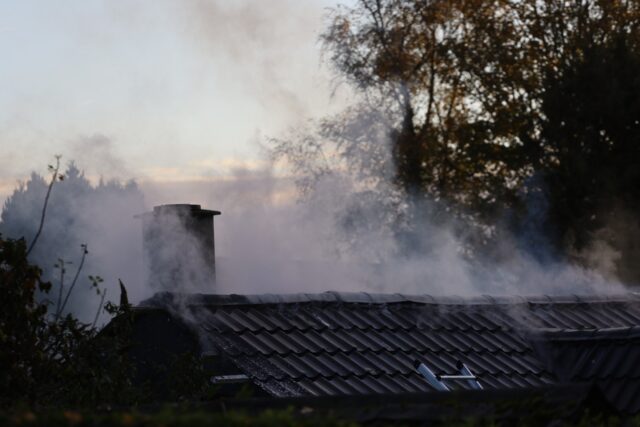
(310, 387)
(303, 342)
(322, 340)
(510, 341)
(389, 317)
(292, 366)
(417, 382)
(622, 315)
(263, 321)
(224, 321)
(366, 318)
(344, 320)
(252, 344)
(336, 340)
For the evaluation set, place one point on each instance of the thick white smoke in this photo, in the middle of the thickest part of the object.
(267, 241)
(303, 247)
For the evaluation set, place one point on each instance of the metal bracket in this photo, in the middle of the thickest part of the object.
(438, 381)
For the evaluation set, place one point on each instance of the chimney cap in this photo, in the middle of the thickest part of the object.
(180, 208)
(184, 207)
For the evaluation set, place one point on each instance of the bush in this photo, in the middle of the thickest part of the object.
(46, 358)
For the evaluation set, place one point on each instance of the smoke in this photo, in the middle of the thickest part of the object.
(614, 249)
(100, 216)
(315, 247)
(270, 49)
(354, 231)
(98, 154)
(268, 241)
(179, 248)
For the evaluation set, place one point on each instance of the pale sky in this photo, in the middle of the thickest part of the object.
(155, 90)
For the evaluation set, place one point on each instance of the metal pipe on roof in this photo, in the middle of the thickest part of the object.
(456, 377)
(472, 380)
(430, 376)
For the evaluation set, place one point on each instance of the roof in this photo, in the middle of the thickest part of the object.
(360, 343)
(608, 358)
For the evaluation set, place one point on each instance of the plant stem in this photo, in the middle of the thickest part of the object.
(54, 176)
(95, 321)
(75, 278)
(61, 263)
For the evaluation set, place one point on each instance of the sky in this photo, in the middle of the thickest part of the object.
(160, 91)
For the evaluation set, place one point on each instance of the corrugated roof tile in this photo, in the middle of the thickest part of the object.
(222, 320)
(347, 321)
(253, 344)
(357, 384)
(292, 366)
(310, 387)
(264, 322)
(366, 317)
(620, 315)
(321, 341)
(302, 341)
(374, 385)
(388, 316)
(510, 341)
(341, 343)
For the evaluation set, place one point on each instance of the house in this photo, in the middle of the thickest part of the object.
(332, 344)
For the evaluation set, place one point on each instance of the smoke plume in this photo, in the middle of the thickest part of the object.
(269, 242)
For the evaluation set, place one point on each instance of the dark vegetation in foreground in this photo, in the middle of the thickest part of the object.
(50, 359)
(228, 413)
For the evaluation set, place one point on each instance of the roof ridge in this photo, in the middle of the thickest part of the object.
(169, 298)
(558, 334)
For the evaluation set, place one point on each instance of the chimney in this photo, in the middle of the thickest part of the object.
(179, 248)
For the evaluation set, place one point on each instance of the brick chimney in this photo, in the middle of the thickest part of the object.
(179, 248)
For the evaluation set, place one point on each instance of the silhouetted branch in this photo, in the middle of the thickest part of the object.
(54, 176)
(60, 264)
(95, 320)
(75, 278)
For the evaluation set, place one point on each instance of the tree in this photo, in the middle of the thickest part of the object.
(464, 89)
(47, 357)
(590, 168)
(79, 215)
(411, 58)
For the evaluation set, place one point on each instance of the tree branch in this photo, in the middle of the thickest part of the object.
(54, 177)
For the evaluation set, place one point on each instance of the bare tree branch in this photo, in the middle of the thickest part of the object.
(54, 176)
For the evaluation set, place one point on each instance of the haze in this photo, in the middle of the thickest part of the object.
(162, 91)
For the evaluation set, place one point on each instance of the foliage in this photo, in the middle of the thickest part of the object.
(77, 213)
(46, 357)
(171, 417)
(50, 357)
(21, 323)
(469, 98)
(303, 417)
(590, 166)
